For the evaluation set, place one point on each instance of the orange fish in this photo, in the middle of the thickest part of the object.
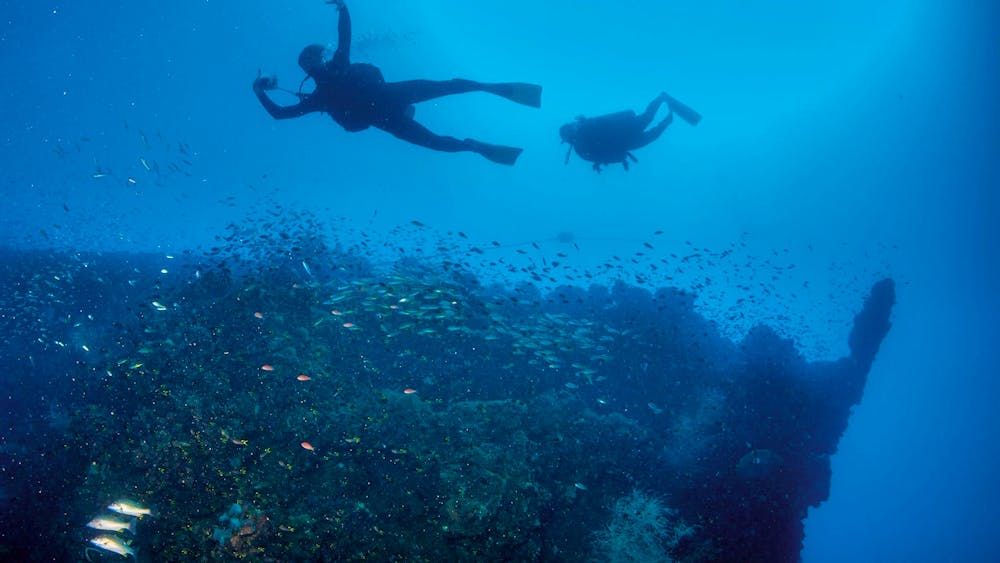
(267, 367)
(308, 446)
(303, 377)
(409, 391)
(348, 325)
(259, 315)
(336, 312)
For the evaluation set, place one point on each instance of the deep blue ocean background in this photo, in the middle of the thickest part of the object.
(856, 141)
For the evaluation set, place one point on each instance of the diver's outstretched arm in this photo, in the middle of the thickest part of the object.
(260, 87)
(342, 57)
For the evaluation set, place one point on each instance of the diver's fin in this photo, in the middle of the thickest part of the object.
(496, 153)
(520, 92)
(682, 111)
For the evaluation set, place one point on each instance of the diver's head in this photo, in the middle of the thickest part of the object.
(312, 59)
(568, 133)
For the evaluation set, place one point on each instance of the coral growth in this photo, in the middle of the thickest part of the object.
(445, 419)
(242, 533)
(642, 528)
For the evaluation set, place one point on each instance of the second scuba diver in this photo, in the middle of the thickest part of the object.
(609, 139)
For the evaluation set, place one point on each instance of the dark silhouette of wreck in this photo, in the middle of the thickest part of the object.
(535, 414)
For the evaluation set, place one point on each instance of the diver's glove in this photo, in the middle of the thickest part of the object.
(338, 3)
(265, 82)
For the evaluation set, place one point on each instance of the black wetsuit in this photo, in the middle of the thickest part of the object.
(608, 139)
(357, 97)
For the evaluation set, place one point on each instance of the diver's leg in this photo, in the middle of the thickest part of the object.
(647, 116)
(413, 132)
(416, 91)
(653, 134)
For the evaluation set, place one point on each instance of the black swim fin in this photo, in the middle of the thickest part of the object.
(496, 153)
(519, 92)
(682, 111)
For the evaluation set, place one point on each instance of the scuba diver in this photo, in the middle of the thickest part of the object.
(357, 97)
(608, 139)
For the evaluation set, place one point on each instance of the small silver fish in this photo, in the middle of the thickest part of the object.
(129, 508)
(109, 524)
(114, 545)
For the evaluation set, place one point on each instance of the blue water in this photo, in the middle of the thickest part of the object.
(850, 140)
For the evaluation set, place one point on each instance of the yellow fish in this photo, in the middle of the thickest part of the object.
(108, 524)
(129, 508)
(114, 545)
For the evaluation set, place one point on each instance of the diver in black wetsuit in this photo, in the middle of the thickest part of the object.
(608, 139)
(357, 97)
